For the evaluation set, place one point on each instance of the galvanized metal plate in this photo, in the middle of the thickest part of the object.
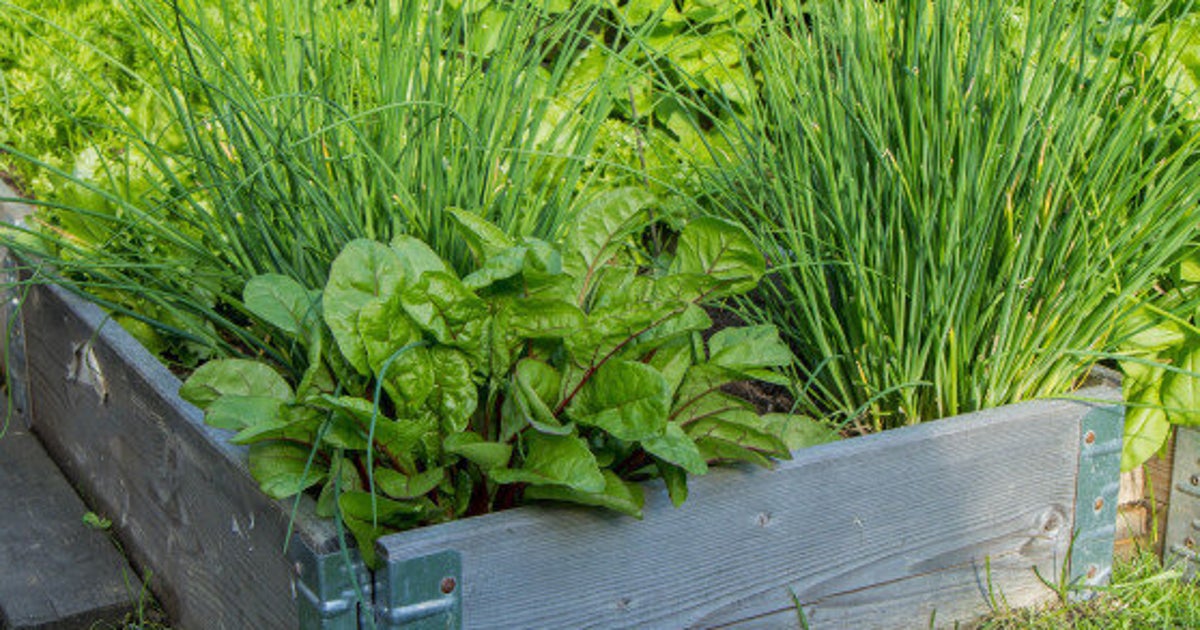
(421, 593)
(1182, 539)
(1097, 487)
(332, 590)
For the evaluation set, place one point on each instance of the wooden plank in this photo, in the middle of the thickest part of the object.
(57, 572)
(879, 531)
(181, 498)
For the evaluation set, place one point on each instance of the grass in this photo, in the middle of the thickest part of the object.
(955, 211)
(1143, 594)
(281, 144)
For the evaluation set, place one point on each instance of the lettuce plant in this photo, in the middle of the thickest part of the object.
(562, 373)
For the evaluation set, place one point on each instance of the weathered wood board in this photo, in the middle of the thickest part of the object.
(186, 509)
(55, 572)
(890, 530)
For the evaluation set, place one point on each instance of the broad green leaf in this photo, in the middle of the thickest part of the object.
(1181, 390)
(398, 437)
(237, 377)
(621, 496)
(672, 360)
(741, 427)
(365, 534)
(359, 505)
(715, 449)
(400, 486)
(236, 412)
(722, 250)
(500, 266)
(282, 302)
(365, 271)
(676, 447)
(455, 395)
(1146, 424)
(748, 347)
(484, 238)
(417, 257)
(445, 308)
(279, 468)
(1142, 330)
(600, 229)
(700, 394)
(606, 329)
(627, 399)
(1189, 268)
(555, 460)
(537, 391)
(391, 342)
(539, 318)
(797, 432)
(333, 486)
(486, 455)
(675, 478)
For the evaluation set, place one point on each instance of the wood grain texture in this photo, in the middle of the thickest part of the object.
(54, 570)
(180, 496)
(880, 531)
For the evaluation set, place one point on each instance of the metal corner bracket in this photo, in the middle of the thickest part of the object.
(1096, 491)
(1181, 542)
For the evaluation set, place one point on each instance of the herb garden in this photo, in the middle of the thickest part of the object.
(401, 281)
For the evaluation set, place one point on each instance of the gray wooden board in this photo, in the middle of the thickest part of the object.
(880, 531)
(54, 570)
(180, 496)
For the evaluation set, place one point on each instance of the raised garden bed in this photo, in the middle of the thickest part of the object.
(935, 522)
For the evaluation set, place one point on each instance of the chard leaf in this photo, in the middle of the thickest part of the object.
(486, 455)
(741, 427)
(235, 412)
(721, 250)
(540, 318)
(1181, 390)
(621, 496)
(606, 329)
(365, 534)
(1142, 330)
(748, 347)
(676, 447)
(600, 230)
(397, 437)
(349, 480)
(363, 507)
(388, 335)
(484, 238)
(417, 257)
(365, 271)
(797, 432)
(455, 395)
(627, 399)
(716, 449)
(672, 360)
(557, 460)
(237, 377)
(537, 390)
(675, 478)
(445, 308)
(1146, 423)
(279, 468)
(282, 302)
(400, 486)
(501, 266)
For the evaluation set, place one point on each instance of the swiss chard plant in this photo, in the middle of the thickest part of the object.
(562, 373)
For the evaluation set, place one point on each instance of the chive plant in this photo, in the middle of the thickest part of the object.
(296, 127)
(959, 199)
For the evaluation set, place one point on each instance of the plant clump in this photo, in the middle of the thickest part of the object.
(563, 373)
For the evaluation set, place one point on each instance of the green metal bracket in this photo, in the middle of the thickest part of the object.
(1182, 539)
(1096, 491)
(420, 593)
(332, 590)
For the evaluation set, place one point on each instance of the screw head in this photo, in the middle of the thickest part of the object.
(1099, 504)
(1092, 571)
(1194, 480)
(1189, 542)
(1089, 437)
(448, 585)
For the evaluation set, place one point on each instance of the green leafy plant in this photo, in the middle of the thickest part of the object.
(955, 212)
(1160, 361)
(547, 373)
